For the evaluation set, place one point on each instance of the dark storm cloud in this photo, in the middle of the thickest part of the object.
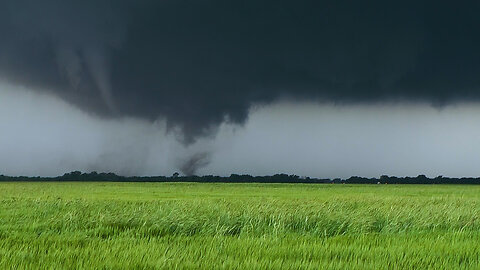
(197, 63)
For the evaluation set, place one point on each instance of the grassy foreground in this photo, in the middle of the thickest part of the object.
(238, 226)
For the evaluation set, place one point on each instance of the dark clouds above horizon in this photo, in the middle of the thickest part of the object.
(197, 63)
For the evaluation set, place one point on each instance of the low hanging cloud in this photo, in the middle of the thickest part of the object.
(196, 64)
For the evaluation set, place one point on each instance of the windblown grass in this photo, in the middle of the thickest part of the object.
(274, 226)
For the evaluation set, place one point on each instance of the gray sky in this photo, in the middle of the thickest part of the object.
(151, 87)
(44, 135)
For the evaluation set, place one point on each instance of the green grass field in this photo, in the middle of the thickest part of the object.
(238, 226)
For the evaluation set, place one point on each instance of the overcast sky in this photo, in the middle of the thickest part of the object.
(320, 88)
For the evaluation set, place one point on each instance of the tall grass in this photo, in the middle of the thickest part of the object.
(161, 225)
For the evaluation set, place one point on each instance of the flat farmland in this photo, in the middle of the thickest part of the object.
(108, 225)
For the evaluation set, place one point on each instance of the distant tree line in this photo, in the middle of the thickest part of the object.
(244, 178)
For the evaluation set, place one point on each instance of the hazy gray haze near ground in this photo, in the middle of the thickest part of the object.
(43, 135)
